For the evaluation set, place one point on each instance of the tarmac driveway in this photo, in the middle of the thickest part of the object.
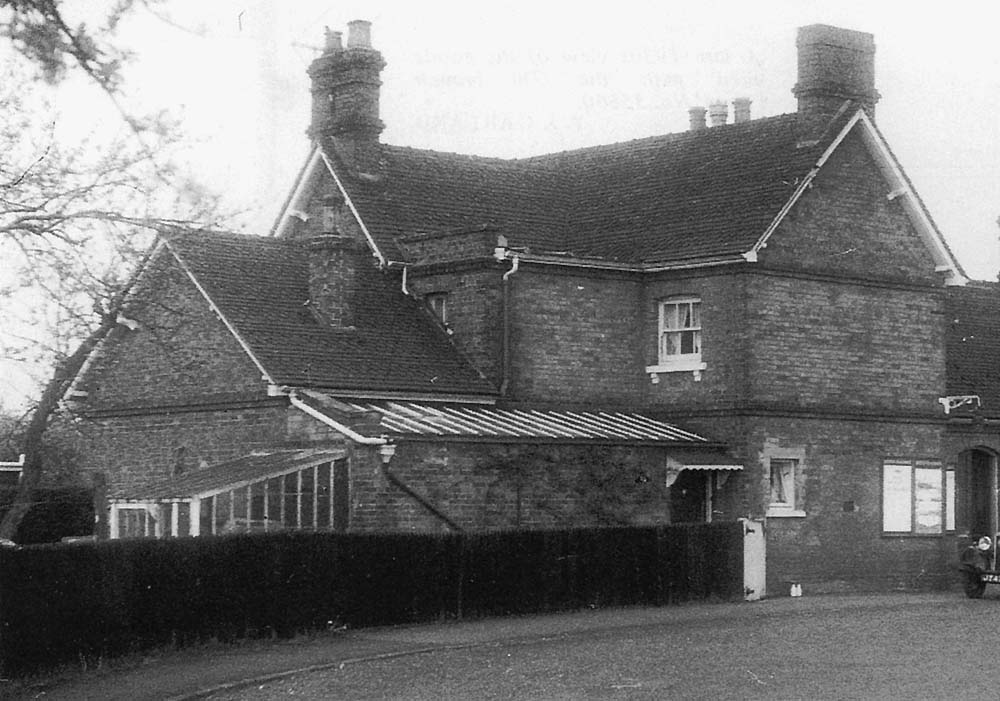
(909, 646)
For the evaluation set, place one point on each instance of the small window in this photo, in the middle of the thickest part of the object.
(438, 303)
(913, 497)
(785, 475)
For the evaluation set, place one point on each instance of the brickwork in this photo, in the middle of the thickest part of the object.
(136, 450)
(482, 487)
(475, 313)
(846, 225)
(180, 352)
(443, 247)
(723, 298)
(575, 337)
(838, 545)
(842, 346)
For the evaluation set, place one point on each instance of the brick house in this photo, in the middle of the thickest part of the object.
(754, 318)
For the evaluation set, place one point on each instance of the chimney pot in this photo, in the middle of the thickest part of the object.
(741, 110)
(359, 34)
(333, 42)
(718, 113)
(697, 118)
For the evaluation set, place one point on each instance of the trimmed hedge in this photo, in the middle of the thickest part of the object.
(57, 513)
(85, 601)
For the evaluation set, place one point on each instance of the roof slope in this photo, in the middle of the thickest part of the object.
(260, 286)
(698, 194)
(973, 343)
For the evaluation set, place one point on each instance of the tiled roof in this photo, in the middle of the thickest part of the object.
(698, 194)
(231, 474)
(487, 423)
(261, 285)
(973, 343)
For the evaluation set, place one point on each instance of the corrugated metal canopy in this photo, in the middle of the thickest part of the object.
(492, 423)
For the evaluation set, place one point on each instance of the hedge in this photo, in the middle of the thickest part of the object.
(87, 601)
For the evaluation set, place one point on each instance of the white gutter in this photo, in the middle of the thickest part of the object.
(597, 264)
(335, 425)
(354, 210)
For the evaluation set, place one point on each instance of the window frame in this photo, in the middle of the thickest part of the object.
(437, 302)
(680, 361)
(916, 493)
(792, 506)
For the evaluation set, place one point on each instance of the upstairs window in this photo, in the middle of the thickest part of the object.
(680, 330)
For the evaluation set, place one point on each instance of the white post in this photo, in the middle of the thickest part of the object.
(113, 533)
(175, 519)
(156, 512)
(194, 528)
(298, 499)
(267, 505)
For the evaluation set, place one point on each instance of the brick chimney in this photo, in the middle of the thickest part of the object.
(696, 115)
(741, 110)
(333, 278)
(834, 65)
(345, 96)
(718, 113)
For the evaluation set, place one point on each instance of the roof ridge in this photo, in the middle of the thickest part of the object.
(651, 139)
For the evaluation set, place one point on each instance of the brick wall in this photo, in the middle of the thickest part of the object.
(180, 351)
(845, 225)
(845, 346)
(135, 450)
(575, 337)
(724, 344)
(474, 310)
(484, 486)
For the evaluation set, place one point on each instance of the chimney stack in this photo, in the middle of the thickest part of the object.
(718, 113)
(741, 110)
(333, 278)
(834, 65)
(345, 96)
(697, 117)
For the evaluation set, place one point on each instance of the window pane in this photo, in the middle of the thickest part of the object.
(274, 501)
(323, 496)
(783, 482)
(307, 499)
(689, 342)
(291, 518)
(671, 344)
(696, 314)
(341, 495)
(928, 503)
(669, 320)
(897, 498)
(685, 315)
(223, 503)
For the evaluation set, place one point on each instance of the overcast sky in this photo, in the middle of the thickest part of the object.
(520, 78)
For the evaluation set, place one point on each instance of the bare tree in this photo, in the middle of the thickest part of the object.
(76, 212)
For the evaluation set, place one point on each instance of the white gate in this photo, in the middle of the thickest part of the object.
(754, 557)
